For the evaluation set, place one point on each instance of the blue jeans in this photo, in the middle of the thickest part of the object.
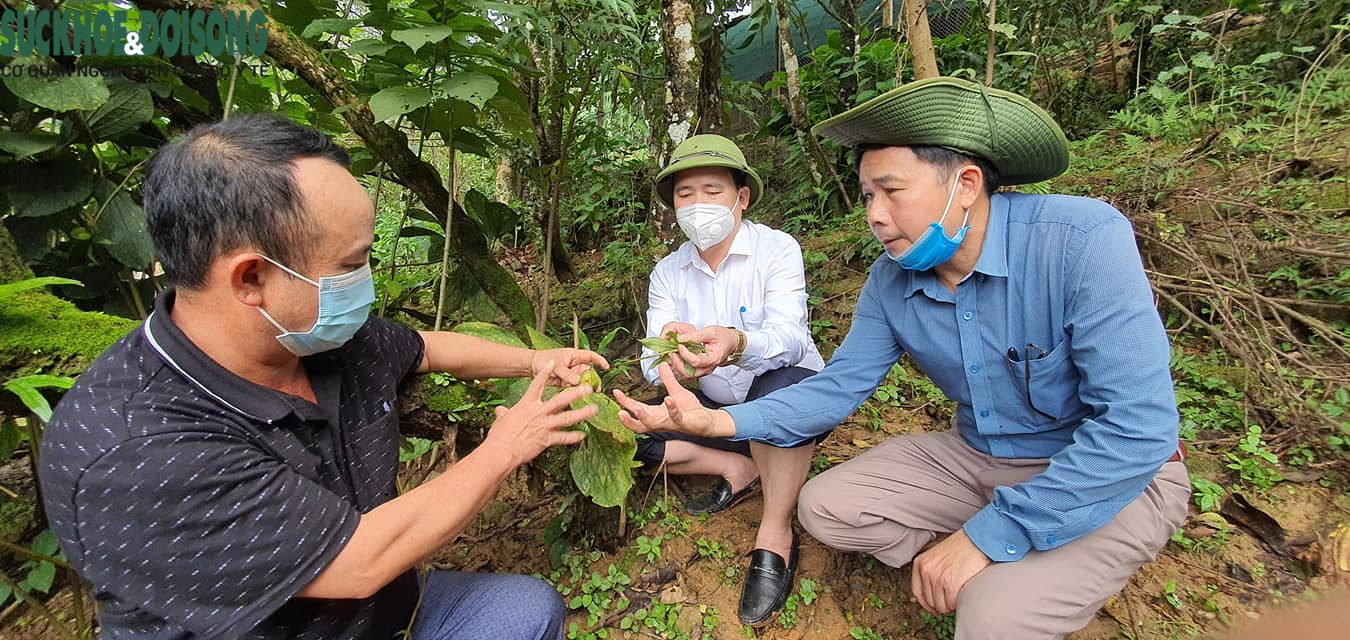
(488, 606)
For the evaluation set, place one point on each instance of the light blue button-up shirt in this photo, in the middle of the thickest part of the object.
(1061, 273)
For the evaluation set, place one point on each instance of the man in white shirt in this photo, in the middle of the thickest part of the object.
(738, 287)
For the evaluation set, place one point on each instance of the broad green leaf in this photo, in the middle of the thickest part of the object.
(1005, 29)
(128, 107)
(44, 188)
(329, 25)
(46, 544)
(540, 341)
(23, 145)
(40, 578)
(602, 465)
(369, 47)
(490, 332)
(121, 227)
(31, 398)
(421, 36)
(9, 290)
(57, 93)
(395, 101)
(470, 86)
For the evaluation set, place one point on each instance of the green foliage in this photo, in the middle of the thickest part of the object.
(602, 465)
(38, 574)
(670, 345)
(1208, 495)
(943, 626)
(863, 633)
(1254, 462)
(649, 548)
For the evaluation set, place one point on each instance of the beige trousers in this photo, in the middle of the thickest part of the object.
(901, 495)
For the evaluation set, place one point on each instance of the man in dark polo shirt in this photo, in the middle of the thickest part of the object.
(227, 470)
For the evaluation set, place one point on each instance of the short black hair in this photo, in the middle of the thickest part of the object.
(943, 158)
(227, 185)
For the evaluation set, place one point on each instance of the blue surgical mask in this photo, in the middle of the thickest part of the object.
(934, 247)
(344, 306)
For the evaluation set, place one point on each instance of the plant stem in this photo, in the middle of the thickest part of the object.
(20, 594)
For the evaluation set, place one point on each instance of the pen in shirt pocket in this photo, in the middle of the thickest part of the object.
(742, 313)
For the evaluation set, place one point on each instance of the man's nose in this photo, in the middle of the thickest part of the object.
(877, 213)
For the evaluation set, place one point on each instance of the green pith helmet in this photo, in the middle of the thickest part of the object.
(1019, 138)
(707, 150)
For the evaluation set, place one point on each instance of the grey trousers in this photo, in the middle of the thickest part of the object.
(901, 495)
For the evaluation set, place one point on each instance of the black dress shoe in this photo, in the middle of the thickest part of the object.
(720, 498)
(768, 583)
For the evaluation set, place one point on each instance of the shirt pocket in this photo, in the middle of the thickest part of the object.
(1044, 389)
(752, 319)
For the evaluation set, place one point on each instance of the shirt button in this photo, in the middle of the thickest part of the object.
(1012, 551)
(967, 315)
(1049, 539)
(984, 414)
(979, 278)
(975, 368)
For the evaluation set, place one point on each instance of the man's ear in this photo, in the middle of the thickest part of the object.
(971, 183)
(743, 194)
(245, 272)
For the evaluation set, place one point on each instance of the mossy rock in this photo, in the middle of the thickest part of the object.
(40, 333)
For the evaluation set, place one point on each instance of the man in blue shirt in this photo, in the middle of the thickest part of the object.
(1062, 475)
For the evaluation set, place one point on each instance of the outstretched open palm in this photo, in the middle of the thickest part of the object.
(680, 412)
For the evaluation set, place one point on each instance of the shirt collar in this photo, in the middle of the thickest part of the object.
(246, 398)
(993, 255)
(741, 245)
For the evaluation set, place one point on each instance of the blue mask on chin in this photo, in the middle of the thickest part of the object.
(344, 306)
(934, 247)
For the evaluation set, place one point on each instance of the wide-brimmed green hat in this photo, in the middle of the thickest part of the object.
(707, 150)
(1019, 138)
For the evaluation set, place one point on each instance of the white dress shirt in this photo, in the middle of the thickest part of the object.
(760, 288)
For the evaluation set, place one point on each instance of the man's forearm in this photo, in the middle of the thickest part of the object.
(398, 534)
(472, 358)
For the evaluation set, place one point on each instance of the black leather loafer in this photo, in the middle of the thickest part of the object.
(768, 583)
(720, 498)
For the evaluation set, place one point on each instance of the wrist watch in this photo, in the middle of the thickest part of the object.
(735, 356)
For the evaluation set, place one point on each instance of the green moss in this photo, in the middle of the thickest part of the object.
(15, 518)
(449, 398)
(42, 333)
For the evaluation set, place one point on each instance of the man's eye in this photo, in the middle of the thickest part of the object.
(867, 197)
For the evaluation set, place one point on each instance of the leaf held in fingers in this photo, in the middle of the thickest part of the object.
(592, 378)
(602, 465)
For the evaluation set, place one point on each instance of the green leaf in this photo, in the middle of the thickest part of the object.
(1124, 31)
(369, 47)
(470, 86)
(121, 227)
(9, 290)
(128, 107)
(44, 188)
(40, 578)
(10, 437)
(329, 25)
(1269, 56)
(1005, 29)
(57, 93)
(540, 341)
(490, 332)
(23, 145)
(46, 544)
(602, 465)
(395, 101)
(421, 36)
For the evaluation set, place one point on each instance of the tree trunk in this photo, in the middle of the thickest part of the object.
(546, 115)
(920, 39)
(711, 118)
(796, 105)
(848, 48)
(391, 146)
(683, 70)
